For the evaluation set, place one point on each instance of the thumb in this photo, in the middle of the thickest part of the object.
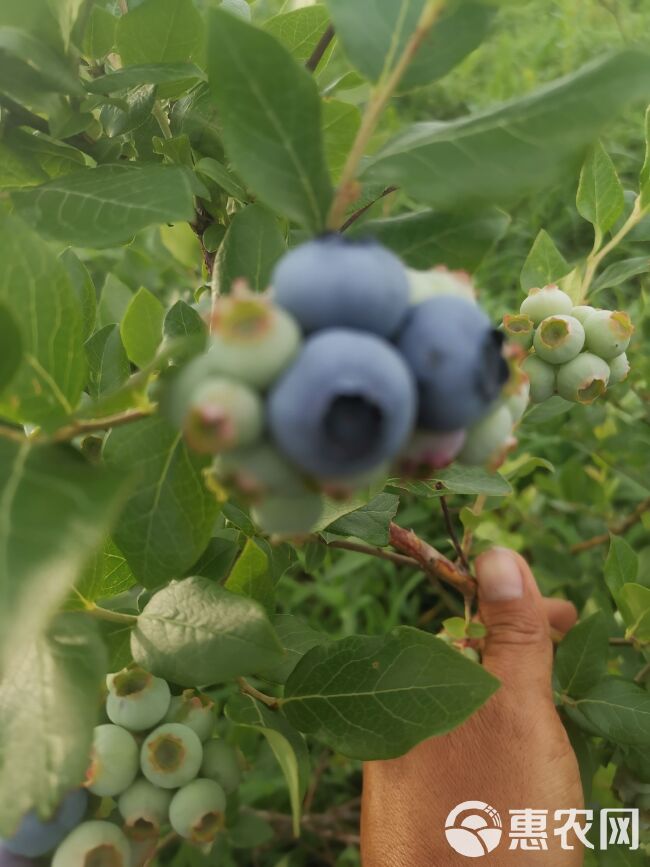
(518, 648)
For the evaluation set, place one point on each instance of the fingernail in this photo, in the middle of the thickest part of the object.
(499, 576)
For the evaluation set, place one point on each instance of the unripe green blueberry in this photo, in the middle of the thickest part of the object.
(519, 328)
(439, 281)
(144, 808)
(221, 764)
(194, 710)
(517, 402)
(114, 761)
(582, 312)
(489, 439)
(608, 333)
(547, 301)
(251, 339)
(583, 379)
(222, 414)
(171, 756)
(197, 811)
(94, 844)
(541, 377)
(619, 368)
(559, 339)
(136, 699)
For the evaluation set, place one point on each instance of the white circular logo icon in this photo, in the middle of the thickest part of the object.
(473, 829)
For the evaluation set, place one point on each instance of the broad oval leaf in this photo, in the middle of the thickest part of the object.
(370, 522)
(195, 633)
(375, 34)
(49, 701)
(620, 710)
(296, 637)
(250, 249)
(501, 153)
(581, 658)
(12, 346)
(108, 365)
(168, 521)
(141, 328)
(143, 73)
(160, 31)
(600, 198)
(544, 263)
(300, 31)
(270, 113)
(377, 697)
(621, 565)
(251, 576)
(107, 205)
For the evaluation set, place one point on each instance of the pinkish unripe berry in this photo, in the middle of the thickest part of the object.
(222, 414)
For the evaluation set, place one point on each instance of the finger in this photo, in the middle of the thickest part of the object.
(561, 615)
(517, 648)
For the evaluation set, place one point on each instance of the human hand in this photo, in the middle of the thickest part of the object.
(514, 753)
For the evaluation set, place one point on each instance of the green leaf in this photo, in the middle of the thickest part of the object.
(220, 175)
(55, 509)
(168, 521)
(49, 702)
(621, 565)
(341, 122)
(114, 299)
(12, 347)
(217, 559)
(502, 153)
(286, 743)
(375, 34)
(35, 288)
(600, 198)
(144, 73)
(581, 658)
(83, 288)
(195, 633)
(620, 710)
(300, 31)
(634, 602)
(544, 264)
(106, 575)
(251, 577)
(644, 179)
(428, 238)
(273, 141)
(133, 111)
(141, 327)
(108, 365)
(333, 509)
(621, 272)
(472, 480)
(160, 31)
(182, 320)
(250, 830)
(106, 206)
(377, 697)
(99, 33)
(370, 522)
(18, 169)
(54, 157)
(50, 70)
(250, 249)
(296, 637)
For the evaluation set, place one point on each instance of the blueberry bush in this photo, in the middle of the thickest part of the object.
(299, 312)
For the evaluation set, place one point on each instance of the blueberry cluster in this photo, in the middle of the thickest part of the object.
(352, 366)
(155, 766)
(575, 352)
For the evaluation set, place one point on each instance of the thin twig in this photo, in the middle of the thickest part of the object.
(321, 48)
(621, 642)
(376, 105)
(358, 214)
(371, 551)
(444, 505)
(248, 689)
(324, 825)
(431, 561)
(616, 529)
(77, 428)
(643, 674)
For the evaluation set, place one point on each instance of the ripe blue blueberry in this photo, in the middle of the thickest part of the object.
(456, 358)
(35, 837)
(221, 764)
(144, 808)
(171, 756)
(195, 710)
(197, 811)
(333, 282)
(114, 761)
(94, 844)
(345, 405)
(136, 699)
